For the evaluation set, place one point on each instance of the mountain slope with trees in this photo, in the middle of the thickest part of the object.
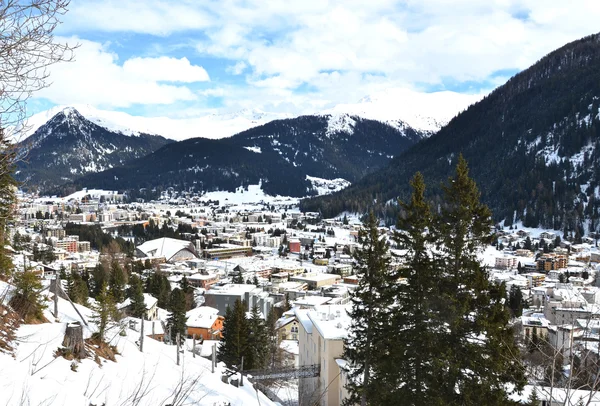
(532, 146)
(331, 146)
(278, 155)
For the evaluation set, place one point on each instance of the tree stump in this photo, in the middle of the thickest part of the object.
(74, 340)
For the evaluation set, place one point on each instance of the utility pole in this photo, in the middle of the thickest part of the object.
(242, 372)
(194, 346)
(142, 335)
(56, 283)
(177, 348)
(214, 358)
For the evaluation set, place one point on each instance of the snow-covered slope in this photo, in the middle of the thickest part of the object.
(207, 126)
(398, 106)
(36, 376)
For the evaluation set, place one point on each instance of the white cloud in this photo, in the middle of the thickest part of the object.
(96, 78)
(340, 49)
(237, 69)
(165, 69)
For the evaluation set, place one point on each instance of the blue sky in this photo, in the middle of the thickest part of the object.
(188, 58)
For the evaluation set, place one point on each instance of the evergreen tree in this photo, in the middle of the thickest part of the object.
(105, 311)
(77, 288)
(138, 304)
(474, 370)
(235, 336)
(515, 301)
(370, 316)
(100, 277)
(257, 353)
(26, 300)
(118, 280)
(238, 278)
(158, 286)
(415, 374)
(177, 318)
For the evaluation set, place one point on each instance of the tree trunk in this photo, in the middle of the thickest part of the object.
(74, 340)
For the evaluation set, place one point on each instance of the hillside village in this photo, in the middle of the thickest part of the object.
(294, 266)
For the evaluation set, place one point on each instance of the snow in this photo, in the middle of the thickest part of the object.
(254, 149)
(422, 111)
(340, 123)
(164, 247)
(327, 186)
(35, 376)
(332, 321)
(208, 125)
(202, 317)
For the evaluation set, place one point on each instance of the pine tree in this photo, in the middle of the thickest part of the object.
(475, 369)
(235, 336)
(370, 305)
(117, 281)
(138, 304)
(177, 318)
(416, 371)
(257, 352)
(77, 288)
(105, 311)
(515, 301)
(26, 299)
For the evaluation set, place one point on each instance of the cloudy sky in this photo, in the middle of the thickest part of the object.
(183, 58)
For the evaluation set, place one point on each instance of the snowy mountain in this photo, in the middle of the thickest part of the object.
(280, 155)
(533, 146)
(402, 108)
(208, 126)
(69, 145)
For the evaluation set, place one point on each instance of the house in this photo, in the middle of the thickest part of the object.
(534, 325)
(287, 327)
(203, 279)
(151, 306)
(205, 323)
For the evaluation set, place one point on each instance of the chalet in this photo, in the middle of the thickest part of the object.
(205, 323)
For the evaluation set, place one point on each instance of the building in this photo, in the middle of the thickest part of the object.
(551, 262)
(227, 251)
(294, 245)
(535, 279)
(221, 297)
(205, 323)
(506, 262)
(321, 342)
(151, 306)
(534, 325)
(287, 327)
(340, 269)
(317, 280)
(203, 279)
(170, 248)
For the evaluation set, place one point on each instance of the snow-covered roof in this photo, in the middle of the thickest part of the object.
(202, 317)
(331, 321)
(165, 247)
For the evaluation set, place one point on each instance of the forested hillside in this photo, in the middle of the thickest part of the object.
(532, 146)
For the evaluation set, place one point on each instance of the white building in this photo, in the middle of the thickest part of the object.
(321, 342)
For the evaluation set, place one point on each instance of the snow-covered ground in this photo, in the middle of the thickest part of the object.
(36, 377)
(327, 186)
